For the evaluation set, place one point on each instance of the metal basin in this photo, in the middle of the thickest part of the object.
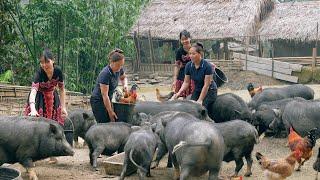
(7, 173)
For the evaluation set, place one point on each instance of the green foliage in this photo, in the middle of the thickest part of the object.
(80, 33)
(6, 77)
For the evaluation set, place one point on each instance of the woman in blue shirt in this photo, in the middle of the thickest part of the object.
(106, 83)
(201, 72)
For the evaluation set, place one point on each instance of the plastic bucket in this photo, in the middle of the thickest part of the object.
(9, 174)
(221, 78)
(68, 131)
(124, 112)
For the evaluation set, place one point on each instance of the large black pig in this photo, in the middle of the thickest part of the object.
(28, 139)
(139, 151)
(106, 139)
(196, 146)
(239, 139)
(273, 94)
(153, 108)
(81, 120)
(265, 114)
(228, 107)
(301, 115)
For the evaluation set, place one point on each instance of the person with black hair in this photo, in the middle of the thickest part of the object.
(43, 99)
(106, 84)
(201, 72)
(182, 58)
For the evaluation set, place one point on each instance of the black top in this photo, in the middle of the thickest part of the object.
(182, 58)
(42, 83)
(107, 77)
(41, 75)
(198, 75)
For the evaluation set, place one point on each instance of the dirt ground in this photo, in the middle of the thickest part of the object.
(78, 167)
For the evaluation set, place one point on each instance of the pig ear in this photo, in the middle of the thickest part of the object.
(204, 113)
(277, 112)
(53, 129)
(153, 127)
(85, 115)
(237, 112)
(135, 128)
(164, 122)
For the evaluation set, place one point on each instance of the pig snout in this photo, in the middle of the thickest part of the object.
(67, 149)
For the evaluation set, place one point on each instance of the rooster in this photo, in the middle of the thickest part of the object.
(278, 169)
(163, 98)
(316, 165)
(252, 90)
(304, 145)
(127, 96)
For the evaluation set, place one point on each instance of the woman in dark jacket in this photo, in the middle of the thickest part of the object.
(106, 83)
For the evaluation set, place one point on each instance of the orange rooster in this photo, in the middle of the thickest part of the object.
(304, 145)
(130, 96)
(278, 169)
(252, 90)
(163, 98)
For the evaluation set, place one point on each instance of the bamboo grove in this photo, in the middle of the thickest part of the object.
(79, 32)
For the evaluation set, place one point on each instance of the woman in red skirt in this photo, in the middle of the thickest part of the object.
(182, 58)
(44, 99)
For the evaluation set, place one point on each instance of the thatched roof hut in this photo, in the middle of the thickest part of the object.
(205, 19)
(294, 21)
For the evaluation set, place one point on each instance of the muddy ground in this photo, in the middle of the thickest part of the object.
(77, 167)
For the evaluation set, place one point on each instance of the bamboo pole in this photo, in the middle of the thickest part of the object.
(151, 51)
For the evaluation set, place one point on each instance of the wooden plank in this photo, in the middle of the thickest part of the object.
(268, 61)
(269, 67)
(285, 77)
(277, 75)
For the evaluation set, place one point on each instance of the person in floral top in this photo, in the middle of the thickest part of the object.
(182, 58)
(43, 99)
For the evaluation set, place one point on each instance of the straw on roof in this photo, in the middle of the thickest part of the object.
(295, 21)
(204, 19)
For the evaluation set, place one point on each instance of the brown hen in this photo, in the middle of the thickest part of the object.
(278, 169)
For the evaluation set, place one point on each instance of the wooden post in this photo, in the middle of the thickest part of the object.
(136, 66)
(151, 50)
(225, 49)
(314, 54)
(247, 52)
(272, 56)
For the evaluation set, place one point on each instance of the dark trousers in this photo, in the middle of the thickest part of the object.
(208, 100)
(99, 111)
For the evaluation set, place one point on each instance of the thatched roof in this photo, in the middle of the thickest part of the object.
(204, 19)
(292, 21)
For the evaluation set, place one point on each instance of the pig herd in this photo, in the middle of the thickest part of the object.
(197, 139)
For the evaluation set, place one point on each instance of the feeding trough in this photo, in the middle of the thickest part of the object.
(221, 78)
(113, 165)
(7, 173)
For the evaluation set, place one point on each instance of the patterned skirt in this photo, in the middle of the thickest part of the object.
(188, 91)
(47, 105)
